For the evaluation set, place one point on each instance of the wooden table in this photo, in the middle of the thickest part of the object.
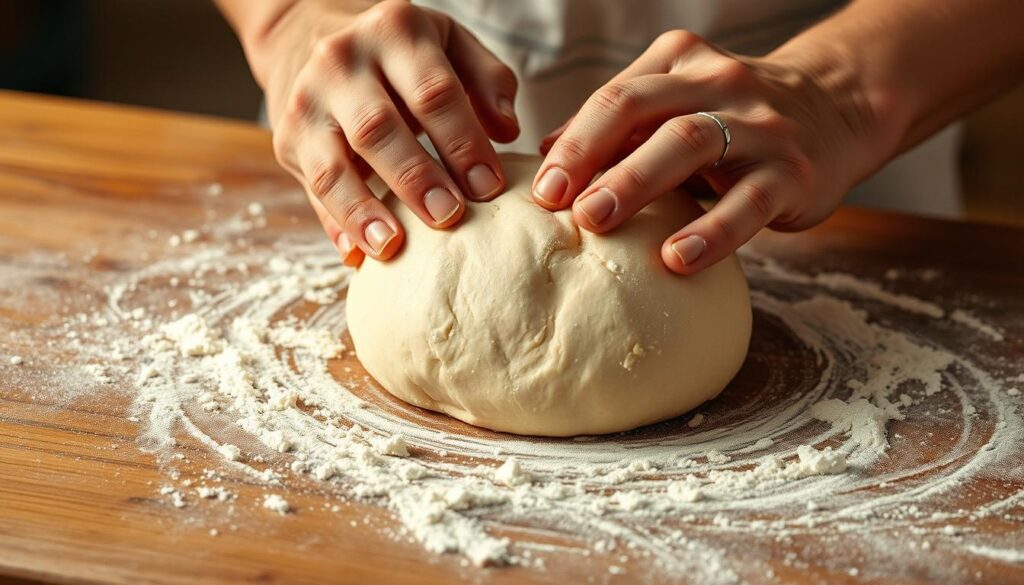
(77, 498)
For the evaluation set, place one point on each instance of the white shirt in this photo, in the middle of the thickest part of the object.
(563, 50)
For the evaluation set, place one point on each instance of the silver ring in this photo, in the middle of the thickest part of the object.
(725, 134)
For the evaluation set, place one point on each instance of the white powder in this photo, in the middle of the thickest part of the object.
(276, 503)
(511, 473)
(998, 554)
(230, 452)
(966, 318)
(193, 336)
(252, 345)
(394, 445)
(214, 493)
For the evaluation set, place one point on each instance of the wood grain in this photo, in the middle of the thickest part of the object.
(77, 501)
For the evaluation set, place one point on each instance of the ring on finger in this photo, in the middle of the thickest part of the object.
(726, 135)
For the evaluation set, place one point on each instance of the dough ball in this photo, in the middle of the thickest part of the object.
(517, 320)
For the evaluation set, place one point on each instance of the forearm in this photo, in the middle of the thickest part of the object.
(917, 64)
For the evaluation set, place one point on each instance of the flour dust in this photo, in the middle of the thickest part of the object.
(850, 435)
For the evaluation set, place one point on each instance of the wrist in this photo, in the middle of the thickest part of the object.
(261, 35)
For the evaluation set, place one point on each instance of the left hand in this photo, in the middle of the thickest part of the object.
(802, 136)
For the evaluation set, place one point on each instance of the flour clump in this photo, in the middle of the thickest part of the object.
(519, 321)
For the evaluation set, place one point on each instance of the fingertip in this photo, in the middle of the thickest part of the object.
(686, 254)
(485, 182)
(454, 219)
(440, 207)
(580, 219)
(350, 253)
(550, 187)
(392, 247)
(382, 238)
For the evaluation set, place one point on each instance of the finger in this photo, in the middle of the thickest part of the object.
(678, 149)
(376, 132)
(660, 57)
(746, 208)
(425, 81)
(491, 85)
(351, 255)
(606, 120)
(331, 179)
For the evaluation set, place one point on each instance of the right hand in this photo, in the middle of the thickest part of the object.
(348, 89)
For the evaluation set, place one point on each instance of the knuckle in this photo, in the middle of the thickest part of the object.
(352, 211)
(692, 135)
(283, 150)
(797, 166)
(435, 92)
(636, 179)
(760, 200)
(281, 145)
(723, 227)
(730, 73)
(460, 146)
(391, 15)
(678, 41)
(301, 104)
(373, 125)
(414, 174)
(335, 51)
(765, 117)
(616, 98)
(571, 148)
(323, 176)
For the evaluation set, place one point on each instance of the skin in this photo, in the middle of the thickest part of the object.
(349, 86)
(350, 83)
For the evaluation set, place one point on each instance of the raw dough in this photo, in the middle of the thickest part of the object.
(519, 321)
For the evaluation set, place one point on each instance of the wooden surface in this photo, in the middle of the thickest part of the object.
(77, 501)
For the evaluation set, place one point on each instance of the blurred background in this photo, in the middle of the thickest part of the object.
(181, 55)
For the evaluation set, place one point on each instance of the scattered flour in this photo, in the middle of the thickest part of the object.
(511, 473)
(966, 318)
(998, 554)
(251, 333)
(276, 503)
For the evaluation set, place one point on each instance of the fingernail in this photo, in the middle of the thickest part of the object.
(440, 204)
(689, 248)
(378, 234)
(344, 244)
(482, 181)
(552, 186)
(598, 205)
(506, 108)
(345, 248)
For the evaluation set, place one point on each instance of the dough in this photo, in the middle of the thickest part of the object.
(518, 321)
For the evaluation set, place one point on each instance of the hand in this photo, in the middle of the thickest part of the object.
(800, 141)
(349, 89)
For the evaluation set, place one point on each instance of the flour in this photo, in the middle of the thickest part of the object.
(998, 554)
(193, 336)
(812, 456)
(511, 473)
(276, 503)
(966, 318)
